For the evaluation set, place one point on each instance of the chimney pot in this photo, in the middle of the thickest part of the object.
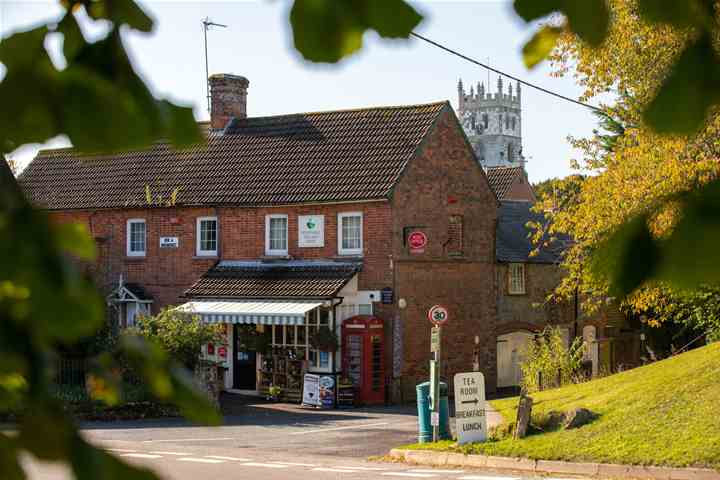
(228, 98)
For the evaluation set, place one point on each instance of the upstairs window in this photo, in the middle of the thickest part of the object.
(516, 279)
(350, 233)
(136, 237)
(485, 120)
(207, 236)
(455, 235)
(276, 235)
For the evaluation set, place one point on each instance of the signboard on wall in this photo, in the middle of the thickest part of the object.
(169, 242)
(311, 231)
(470, 420)
(311, 390)
(417, 241)
(386, 296)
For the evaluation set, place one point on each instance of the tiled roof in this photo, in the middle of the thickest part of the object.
(512, 243)
(502, 178)
(307, 157)
(257, 279)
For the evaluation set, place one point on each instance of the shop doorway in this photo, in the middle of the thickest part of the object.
(245, 364)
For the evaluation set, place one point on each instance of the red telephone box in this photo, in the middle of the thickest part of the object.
(363, 344)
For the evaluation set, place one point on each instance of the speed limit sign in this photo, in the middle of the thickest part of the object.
(438, 315)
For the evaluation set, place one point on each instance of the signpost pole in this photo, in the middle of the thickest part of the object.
(435, 383)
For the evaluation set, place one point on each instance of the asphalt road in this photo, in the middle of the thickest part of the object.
(273, 442)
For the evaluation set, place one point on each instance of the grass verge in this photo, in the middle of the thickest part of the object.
(667, 413)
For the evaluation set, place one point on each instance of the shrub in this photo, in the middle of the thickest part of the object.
(181, 335)
(549, 363)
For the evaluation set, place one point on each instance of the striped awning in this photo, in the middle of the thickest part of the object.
(262, 313)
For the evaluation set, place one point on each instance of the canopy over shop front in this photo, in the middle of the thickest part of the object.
(257, 312)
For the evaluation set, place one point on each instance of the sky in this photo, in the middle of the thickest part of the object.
(258, 45)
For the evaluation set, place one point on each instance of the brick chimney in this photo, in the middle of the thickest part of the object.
(228, 98)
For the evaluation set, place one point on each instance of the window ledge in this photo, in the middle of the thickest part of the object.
(205, 257)
(135, 258)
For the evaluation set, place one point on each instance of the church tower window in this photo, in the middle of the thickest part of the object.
(507, 122)
(485, 120)
(513, 123)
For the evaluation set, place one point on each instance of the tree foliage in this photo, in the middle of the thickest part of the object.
(549, 363)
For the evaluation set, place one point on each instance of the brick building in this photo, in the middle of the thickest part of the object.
(290, 223)
(511, 183)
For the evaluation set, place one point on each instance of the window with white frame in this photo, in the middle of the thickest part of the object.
(298, 337)
(276, 234)
(207, 236)
(136, 237)
(516, 278)
(350, 233)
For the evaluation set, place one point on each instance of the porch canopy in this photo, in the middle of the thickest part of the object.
(258, 312)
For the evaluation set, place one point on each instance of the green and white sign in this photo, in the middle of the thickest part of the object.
(311, 231)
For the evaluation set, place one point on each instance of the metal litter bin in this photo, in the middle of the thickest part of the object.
(423, 405)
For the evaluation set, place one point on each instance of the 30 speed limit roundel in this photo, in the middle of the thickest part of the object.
(438, 315)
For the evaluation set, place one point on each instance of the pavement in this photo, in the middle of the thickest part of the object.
(269, 441)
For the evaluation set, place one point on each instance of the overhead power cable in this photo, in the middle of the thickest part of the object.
(488, 67)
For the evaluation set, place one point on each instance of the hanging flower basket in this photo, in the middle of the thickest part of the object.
(324, 340)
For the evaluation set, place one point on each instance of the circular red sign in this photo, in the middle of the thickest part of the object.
(417, 240)
(438, 315)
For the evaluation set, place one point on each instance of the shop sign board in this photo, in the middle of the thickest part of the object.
(470, 420)
(222, 352)
(311, 231)
(438, 315)
(435, 339)
(417, 241)
(386, 296)
(311, 390)
(327, 391)
(169, 242)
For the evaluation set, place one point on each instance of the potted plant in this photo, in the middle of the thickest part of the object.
(274, 393)
(324, 340)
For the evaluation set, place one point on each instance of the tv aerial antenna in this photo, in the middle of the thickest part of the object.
(207, 24)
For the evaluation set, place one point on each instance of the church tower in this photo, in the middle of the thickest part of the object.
(493, 123)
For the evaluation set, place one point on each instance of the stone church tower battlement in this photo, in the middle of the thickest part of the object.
(493, 123)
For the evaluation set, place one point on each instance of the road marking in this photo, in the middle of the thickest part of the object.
(232, 459)
(266, 465)
(297, 464)
(428, 470)
(169, 453)
(486, 477)
(337, 470)
(120, 450)
(140, 455)
(189, 440)
(332, 429)
(368, 469)
(408, 474)
(200, 460)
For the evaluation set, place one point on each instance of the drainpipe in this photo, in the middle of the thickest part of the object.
(334, 318)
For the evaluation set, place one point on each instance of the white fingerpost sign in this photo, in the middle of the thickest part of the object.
(311, 231)
(470, 420)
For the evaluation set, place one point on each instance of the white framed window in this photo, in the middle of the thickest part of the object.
(350, 233)
(516, 279)
(136, 240)
(207, 237)
(298, 338)
(276, 234)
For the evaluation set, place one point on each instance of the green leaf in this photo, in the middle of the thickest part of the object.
(90, 463)
(589, 19)
(120, 12)
(682, 103)
(46, 432)
(328, 30)
(194, 404)
(22, 49)
(530, 10)
(73, 38)
(10, 468)
(628, 257)
(75, 238)
(182, 130)
(540, 46)
(690, 255)
(686, 13)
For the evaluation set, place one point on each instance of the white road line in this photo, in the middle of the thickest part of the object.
(169, 453)
(232, 459)
(200, 460)
(336, 470)
(332, 429)
(188, 440)
(367, 469)
(140, 455)
(428, 470)
(409, 474)
(120, 450)
(294, 464)
(266, 465)
(487, 477)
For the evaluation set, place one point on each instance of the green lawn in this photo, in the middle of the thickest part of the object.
(667, 413)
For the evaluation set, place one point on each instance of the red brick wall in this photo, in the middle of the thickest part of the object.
(445, 180)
